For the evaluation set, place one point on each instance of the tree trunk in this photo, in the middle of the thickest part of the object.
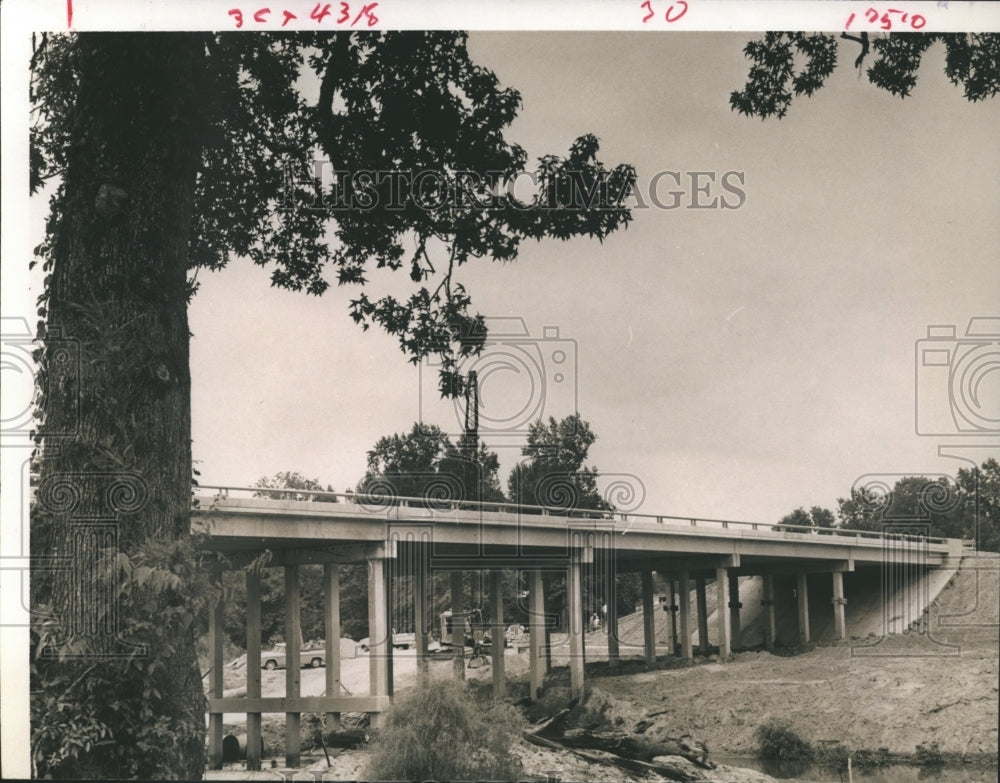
(115, 471)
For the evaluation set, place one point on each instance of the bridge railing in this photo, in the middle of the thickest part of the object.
(376, 502)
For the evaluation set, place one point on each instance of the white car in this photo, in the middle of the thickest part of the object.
(400, 641)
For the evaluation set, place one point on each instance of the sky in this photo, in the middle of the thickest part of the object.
(733, 363)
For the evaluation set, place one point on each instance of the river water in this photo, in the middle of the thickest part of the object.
(896, 773)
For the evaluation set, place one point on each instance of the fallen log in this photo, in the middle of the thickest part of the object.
(637, 746)
(670, 770)
(345, 738)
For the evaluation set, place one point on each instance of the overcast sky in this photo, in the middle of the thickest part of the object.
(737, 363)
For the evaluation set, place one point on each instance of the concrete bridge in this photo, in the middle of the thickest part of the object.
(413, 537)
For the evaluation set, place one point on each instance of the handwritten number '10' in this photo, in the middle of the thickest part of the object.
(672, 15)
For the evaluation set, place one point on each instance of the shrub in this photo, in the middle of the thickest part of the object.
(871, 759)
(778, 740)
(437, 731)
(929, 755)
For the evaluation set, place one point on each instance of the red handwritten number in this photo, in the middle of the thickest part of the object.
(649, 7)
(849, 20)
(683, 11)
(318, 13)
(238, 15)
(367, 11)
(345, 13)
(913, 21)
(261, 15)
(871, 14)
(289, 16)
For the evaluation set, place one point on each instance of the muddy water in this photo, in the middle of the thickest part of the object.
(897, 773)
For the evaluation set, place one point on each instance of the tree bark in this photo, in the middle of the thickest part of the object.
(115, 469)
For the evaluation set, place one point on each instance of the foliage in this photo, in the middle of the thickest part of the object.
(438, 731)
(870, 759)
(425, 464)
(972, 61)
(814, 517)
(778, 740)
(928, 754)
(92, 714)
(554, 474)
(294, 480)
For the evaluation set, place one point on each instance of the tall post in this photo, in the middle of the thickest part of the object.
(684, 585)
(802, 591)
(215, 682)
(293, 662)
(673, 616)
(420, 618)
(331, 611)
(253, 666)
(380, 642)
(496, 593)
(702, 607)
(770, 622)
(734, 610)
(611, 621)
(722, 598)
(458, 623)
(574, 590)
(839, 616)
(536, 620)
(648, 618)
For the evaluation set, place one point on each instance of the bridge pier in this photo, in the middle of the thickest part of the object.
(734, 610)
(574, 594)
(839, 618)
(722, 599)
(767, 602)
(379, 633)
(702, 608)
(611, 621)
(458, 624)
(802, 593)
(215, 683)
(672, 609)
(499, 639)
(648, 618)
(253, 667)
(331, 616)
(684, 584)
(536, 625)
(293, 673)
(420, 616)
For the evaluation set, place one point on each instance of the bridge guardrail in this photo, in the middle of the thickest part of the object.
(390, 501)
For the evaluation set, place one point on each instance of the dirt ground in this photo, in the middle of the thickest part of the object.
(938, 682)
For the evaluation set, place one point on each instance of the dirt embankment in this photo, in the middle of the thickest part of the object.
(937, 682)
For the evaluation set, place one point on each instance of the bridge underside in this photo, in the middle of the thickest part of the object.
(674, 562)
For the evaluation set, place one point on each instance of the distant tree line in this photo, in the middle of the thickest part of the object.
(967, 506)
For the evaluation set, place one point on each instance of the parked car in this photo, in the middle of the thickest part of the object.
(400, 641)
(277, 658)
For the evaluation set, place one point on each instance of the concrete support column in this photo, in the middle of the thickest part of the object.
(673, 616)
(458, 624)
(420, 617)
(684, 586)
(215, 682)
(611, 623)
(734, 610)
(722, 598)
(839, 616)
(293, 656)
(648, 618)
(802, 590)
(574, 597)
(536, 620)
(253, 667)
(380, 647)
(702, 607)
(331, 615)
(496, 593)
(770, 622)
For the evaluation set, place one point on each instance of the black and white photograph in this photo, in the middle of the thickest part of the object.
(500, 391)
